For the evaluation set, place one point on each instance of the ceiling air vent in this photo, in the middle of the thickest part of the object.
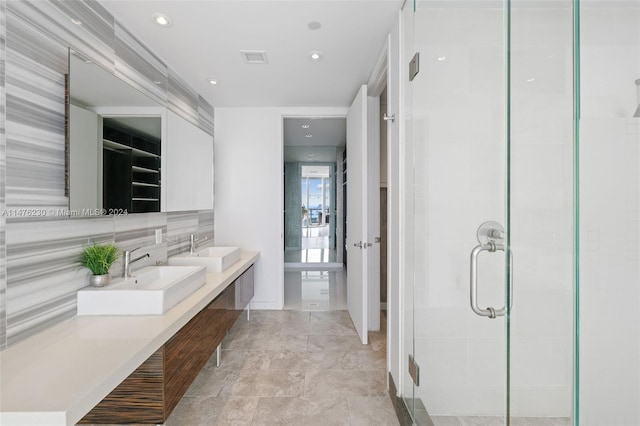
(255, 56)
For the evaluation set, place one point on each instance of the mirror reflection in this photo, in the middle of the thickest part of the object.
(115, 143)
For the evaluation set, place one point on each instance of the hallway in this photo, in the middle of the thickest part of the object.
(315, 247)
(292, 368)
(315, 290)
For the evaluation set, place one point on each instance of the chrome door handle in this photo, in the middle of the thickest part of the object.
(358, 244)
(492, 245)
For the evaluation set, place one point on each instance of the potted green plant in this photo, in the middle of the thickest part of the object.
(98, 258)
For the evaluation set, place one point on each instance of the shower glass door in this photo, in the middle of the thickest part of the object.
(490, 308)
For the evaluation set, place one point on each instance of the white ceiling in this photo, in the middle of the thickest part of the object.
(314, 154)
(91, 86)
(325, 131)
(207, 35)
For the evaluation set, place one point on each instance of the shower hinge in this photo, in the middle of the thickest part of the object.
(414, 66)
(414, 370)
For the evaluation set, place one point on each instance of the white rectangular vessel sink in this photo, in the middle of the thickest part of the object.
(149, 291)
(216, 259)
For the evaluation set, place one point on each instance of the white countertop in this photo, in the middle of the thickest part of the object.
(60, 374)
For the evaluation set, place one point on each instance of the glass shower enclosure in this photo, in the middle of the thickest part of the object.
(523, 215)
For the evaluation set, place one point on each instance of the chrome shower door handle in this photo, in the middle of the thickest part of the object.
(473, 290)
(473, 285)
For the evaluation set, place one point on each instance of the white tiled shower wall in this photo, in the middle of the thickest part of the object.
(610, 216)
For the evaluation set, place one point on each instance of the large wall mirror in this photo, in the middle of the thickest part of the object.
(127, 153)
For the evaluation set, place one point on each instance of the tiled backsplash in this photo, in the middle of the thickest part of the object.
(39, 281)
(42, 274)
(3, 168)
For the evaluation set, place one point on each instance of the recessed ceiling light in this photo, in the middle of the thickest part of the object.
(161, 19)
(158, 82)
(305, 126)
(315, 55)
(531, 80)
(310, 155)
(76, 21)
(314, 25)
(212, 81)
(442, 58)
(308, 135)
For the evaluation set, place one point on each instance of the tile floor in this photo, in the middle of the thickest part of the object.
(308, 290)
(310, 255)
(292, 368)
(315, 247)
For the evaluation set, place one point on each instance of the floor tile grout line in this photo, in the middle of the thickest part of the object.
(255, 411)
(307, 374)
(304, 385)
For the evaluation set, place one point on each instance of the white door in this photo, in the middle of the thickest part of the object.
(356, 229)
(372, 211)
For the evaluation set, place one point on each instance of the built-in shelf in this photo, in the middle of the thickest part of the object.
(143, 170)
(106, 143)
(344, 204)
(134, 160)
(153, 185)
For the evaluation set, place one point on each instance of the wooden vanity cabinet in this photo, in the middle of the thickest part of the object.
(184, 357)
(150, 393)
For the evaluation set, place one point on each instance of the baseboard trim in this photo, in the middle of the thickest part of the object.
(402, 413)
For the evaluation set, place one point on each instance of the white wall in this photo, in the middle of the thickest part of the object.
(609, 212)
(248, 188)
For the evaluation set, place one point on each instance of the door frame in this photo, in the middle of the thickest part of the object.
(378, 81)
(296, 112)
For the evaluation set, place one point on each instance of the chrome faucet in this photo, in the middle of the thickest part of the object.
(128, 261)
(192, 242)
